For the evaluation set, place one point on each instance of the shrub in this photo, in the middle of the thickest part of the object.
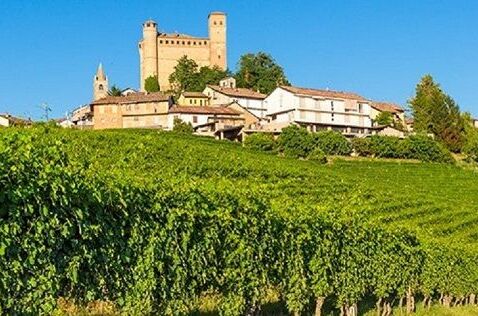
(471, 149)
(179, 126)
(260, 141)
(385, 147)
(362, 147)
(424, 148)
(332, 143)
(295, 141)
(318, 155)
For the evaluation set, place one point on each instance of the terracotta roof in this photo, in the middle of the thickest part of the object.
(238, 92)
(203, 110)
(15, 119)
(324, 93)
(194, 94)
(386, 107)
(139, 97)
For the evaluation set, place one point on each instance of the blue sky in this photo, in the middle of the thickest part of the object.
(49, 50)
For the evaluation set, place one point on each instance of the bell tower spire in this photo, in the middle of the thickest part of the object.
(100, 84)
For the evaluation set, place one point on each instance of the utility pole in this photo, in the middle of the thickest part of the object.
(46, 110)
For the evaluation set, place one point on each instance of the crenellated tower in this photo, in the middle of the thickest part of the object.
(217, 39)
(148, 51)
(100, 84)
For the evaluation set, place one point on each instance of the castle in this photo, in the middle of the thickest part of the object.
(159, 52)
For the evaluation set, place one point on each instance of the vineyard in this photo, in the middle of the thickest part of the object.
(154, 221)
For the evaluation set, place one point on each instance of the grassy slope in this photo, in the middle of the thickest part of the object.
(436, 200)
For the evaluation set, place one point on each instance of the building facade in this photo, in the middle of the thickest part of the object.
(227, 92)
(345, 112)
(140, 110)
(398, 114)
(193, 99)
(159, 52)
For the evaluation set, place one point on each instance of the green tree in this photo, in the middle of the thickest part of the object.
(260, 72)
(384, 118)
(187, 76)
(437, 113)
(114, 91)
(180, 126)
(151, 84)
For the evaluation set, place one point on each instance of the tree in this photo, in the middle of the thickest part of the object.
(151, 84)
(437, 113)
(384, 118)
(260, 72)
(187, 76)
(179, 126)
(114, 91)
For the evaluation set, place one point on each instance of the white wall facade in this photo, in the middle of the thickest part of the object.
(282, 105)
(4, 121)
(254, 106)
(194, 119)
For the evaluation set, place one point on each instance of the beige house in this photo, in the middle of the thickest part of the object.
(227, 92)
(159, 52)
(8, 120)
(140, 110)
(193, 99)
(219, 121)
(397, 112)
(249, 117)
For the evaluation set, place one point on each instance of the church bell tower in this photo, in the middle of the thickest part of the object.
(100, 84)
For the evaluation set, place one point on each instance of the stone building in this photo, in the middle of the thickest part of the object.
(159, 52)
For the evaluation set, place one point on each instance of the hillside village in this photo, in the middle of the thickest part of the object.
(223, 110)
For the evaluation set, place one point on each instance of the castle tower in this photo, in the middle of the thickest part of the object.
(148, 51)
(100, 84)
(217, 38)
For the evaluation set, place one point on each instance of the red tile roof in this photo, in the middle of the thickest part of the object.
(324, 93)
(188, 94)
(238, 92)
(387, 107)
(203, 110)
(139, 97)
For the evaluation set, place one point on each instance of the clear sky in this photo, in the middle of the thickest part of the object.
(49, 50)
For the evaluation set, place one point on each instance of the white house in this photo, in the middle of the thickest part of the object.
(227, 92)
(346, 112)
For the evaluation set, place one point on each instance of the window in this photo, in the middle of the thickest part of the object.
(190, 101)
(189, 43)
(160, 41)
(177, 42)
(200, 102)
(205, 42)
(195, 101)
(332, 117)
(167, 42)
(215, 23)
(332, 106)
(360, 107)
(195, 119)
(218, 56)
(220, 23)
(194, 43)
(183, 42)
